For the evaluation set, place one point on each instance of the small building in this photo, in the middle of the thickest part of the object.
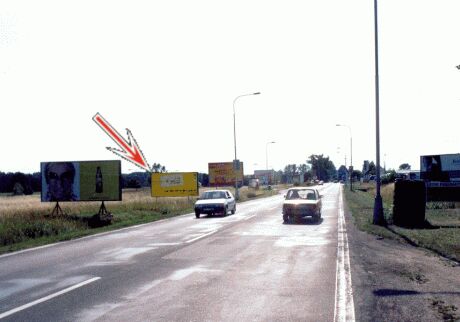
(408, 174)
(266, 177)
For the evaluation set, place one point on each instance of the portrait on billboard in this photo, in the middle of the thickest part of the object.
(432, 168)
(60, 181)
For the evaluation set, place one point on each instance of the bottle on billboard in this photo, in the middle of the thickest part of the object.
(99, 186)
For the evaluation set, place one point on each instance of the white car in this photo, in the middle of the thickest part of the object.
(215, 202)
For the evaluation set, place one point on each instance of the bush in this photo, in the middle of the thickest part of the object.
(251, 194)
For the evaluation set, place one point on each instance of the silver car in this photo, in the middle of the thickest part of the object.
(214, 202)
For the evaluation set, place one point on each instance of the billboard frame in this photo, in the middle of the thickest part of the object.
(184, 184)
(120, 180)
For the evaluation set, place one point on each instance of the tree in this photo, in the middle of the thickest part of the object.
(290, 170)
(322, 167)
(357, 174)
(133, 183)
(372, 168)
(342, 173)
(157, 167)
(404, 166)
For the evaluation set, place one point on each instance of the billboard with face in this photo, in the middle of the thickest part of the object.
(81, 181)
(441, 168)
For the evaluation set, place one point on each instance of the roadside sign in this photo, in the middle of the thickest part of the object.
(81, 181)
(224, 173)
(441, 174)
(175, 184)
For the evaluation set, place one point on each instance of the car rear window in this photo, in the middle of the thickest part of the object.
(307, 194)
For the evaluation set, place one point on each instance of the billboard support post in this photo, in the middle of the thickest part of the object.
(57, 210)
(102, 210)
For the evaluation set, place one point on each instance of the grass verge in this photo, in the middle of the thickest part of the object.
(25, 221)
(443, 237)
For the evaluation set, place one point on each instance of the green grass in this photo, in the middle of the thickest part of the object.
(443, 238)
(25, 221)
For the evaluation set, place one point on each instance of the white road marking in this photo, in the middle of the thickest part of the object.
(46, 298)
(344, 306)
(163, 244)
(183, 273)
(201, 236)
(249, 217)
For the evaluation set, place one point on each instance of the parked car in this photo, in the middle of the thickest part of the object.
(301, 202)
(214, 202)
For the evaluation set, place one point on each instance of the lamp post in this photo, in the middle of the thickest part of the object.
(266, 153)
(378, 218)
(266, 157)
(234, 141)
(351, 155)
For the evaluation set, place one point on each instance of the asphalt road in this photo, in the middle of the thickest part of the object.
(243, 267)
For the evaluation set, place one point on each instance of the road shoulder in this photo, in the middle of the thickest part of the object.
(394, 281)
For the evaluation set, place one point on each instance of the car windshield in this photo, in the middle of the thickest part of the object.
(214, 195)
(307, 194)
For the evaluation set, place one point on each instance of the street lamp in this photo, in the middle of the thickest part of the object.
(351, 155)
(266, 153)
(378, 218)
(266, 159)
(234, 141)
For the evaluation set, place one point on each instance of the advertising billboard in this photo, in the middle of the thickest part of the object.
(81, 181)
(175, 184)
(223, 173)
(441, 174)
(444, 168)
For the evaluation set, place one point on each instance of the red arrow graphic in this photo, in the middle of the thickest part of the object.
(130, 150)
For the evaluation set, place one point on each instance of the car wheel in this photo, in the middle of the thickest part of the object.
(317, 217)
(234, 210)
(285, 219)
(197, 214)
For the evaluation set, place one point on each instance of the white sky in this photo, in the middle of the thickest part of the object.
(170, 70)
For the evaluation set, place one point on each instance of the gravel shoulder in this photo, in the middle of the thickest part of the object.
(394, 281)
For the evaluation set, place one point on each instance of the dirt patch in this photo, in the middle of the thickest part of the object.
(446, 312)
(394, 281)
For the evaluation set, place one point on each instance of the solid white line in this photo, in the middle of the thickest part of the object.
(344, 305)
(46, 298)
(249, 217)
(202, 236)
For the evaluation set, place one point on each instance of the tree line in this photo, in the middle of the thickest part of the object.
(19, 183)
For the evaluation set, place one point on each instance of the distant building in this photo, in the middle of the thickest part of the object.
(408, 174)
(265, 177)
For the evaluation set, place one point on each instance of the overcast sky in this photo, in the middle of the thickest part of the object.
(170, 70)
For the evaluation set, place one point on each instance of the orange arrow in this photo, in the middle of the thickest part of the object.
(130, 150)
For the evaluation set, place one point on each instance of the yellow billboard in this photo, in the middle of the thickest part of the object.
(175, 184)
(223, 173)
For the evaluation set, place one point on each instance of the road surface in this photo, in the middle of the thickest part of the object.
(243, 267)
